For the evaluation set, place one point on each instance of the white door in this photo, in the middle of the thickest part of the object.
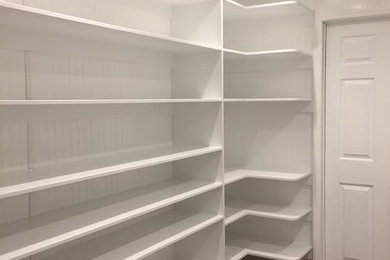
(357, 176)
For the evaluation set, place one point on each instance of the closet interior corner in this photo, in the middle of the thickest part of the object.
(158, 130)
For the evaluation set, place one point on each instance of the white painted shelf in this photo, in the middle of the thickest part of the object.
(236, 209)
(235, 11)
(141, 239)
(236, 55)
(233, 175)
(35, 179)
(105, 101)
(55, 228)
(243, 100)
(237, 247)
(29, 19)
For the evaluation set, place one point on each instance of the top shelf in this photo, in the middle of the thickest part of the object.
(235, 55)
(27, 19)
(235, 11)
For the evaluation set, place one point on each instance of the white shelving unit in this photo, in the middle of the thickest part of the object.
(268, 80)
(111, 129)
(180, 131)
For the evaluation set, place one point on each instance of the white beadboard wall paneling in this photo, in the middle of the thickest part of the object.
(72, 144)
(43, 78)
(27, 19)
(12, 74)
(198, 22)
(267, 29)
(273, 137)
(14, 208)
(197, 76)
(147, 234)
(273, 63)
(269, 238)
(268, 79)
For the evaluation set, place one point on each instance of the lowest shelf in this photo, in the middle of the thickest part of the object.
(141, 239)
(45, 231)
(238, 247)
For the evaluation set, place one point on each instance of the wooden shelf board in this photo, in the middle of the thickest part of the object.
(235, 11)
(238, 247)
(15, 16)
(234, 175)
(236, 209)
(236, 55)
(267, 100)
(105, 101)
(141, 239)
(17, 183)
(77, 221)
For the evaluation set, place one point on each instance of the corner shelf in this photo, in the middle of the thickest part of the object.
(233, 175)
(17, 183)
(244, 100)
(237, 209)
(238, 247)
(77, 221)
(33, 19)
(235, 11)
(236, 55)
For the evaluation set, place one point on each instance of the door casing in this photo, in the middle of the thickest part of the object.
(321, 24)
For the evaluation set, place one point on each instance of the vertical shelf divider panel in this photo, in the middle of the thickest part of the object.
(111, 127)
(268, 81)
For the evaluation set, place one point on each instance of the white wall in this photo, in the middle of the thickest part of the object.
(332, 6)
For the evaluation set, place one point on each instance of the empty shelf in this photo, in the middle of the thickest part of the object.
(104, 101)
(237, 247)
(234, 55)
(24, 18)
(30, 236)
(235, 11)
(267, 99)
(239, 174)
(141, 239)
(17, 183)
(237, 209)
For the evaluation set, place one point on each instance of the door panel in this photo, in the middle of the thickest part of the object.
(357, 173)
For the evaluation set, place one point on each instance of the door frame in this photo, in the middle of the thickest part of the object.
(322, 21)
